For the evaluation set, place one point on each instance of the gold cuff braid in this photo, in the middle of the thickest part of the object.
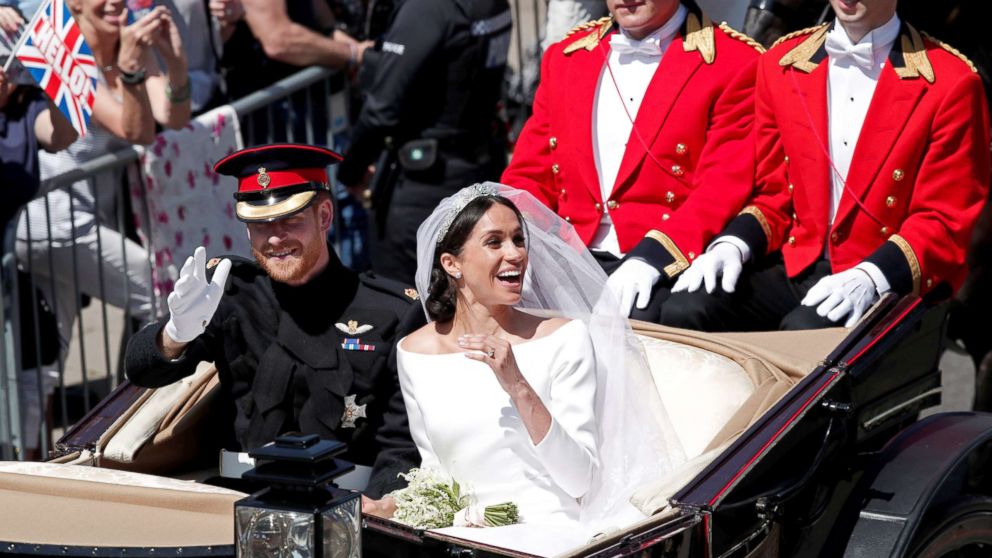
(680, 264)
(914, 263)
(760, 217)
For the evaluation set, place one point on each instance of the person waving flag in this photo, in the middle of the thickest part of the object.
(53, 51)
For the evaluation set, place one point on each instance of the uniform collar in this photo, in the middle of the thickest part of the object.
(320, 301)
(908, 55)
(875, 45)
(698, 33)
(662, 36)
(696, 29)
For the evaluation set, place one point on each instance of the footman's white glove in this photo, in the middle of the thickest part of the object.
(723, 259)
(848, 293)
(634, 279)
(194, 300)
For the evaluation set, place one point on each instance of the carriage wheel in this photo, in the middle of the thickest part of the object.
(961, 529)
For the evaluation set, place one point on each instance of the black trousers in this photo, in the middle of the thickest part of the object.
(659, 294)
(765, 299)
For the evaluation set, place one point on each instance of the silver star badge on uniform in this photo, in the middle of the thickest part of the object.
(352, 412)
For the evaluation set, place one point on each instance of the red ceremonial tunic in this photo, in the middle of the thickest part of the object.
(696, 120)
(918, 177)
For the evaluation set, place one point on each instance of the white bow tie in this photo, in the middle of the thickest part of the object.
(844, 52)
(622, 44)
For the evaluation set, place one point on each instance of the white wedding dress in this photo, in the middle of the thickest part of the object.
(467, 428)
(610, 432)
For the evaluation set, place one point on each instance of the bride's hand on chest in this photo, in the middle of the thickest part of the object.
(497, 353)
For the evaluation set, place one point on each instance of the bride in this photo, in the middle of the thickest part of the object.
(526, 384)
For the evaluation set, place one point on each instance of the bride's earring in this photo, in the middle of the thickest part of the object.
(457, 275)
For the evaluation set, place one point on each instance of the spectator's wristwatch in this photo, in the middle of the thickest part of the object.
(133, 78)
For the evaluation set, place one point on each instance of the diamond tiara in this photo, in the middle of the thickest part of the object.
(462, 199)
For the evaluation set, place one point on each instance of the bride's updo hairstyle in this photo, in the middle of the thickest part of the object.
(441, 293)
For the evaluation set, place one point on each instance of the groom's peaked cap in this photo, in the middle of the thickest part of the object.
(277, 180)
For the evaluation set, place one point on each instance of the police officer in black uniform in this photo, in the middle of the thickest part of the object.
(433, 84)
(300, 342)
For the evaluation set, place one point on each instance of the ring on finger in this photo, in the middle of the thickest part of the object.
(491, 353)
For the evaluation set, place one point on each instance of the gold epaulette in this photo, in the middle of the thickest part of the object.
(742, 37)
(586, 25)
(952, 50)
(784, 38)
(589, 41)
(699, 36)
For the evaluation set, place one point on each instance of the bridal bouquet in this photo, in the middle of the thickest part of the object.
(431, 501)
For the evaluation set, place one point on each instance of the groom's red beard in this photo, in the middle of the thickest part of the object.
(290, 268)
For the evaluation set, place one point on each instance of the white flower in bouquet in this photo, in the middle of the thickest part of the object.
(432, 501)
(429, 501)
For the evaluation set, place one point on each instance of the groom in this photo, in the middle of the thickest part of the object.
(641, 138)
(301, 343)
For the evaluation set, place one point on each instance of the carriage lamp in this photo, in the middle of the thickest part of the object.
(301, 513)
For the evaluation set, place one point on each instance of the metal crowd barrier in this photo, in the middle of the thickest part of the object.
(309, 106)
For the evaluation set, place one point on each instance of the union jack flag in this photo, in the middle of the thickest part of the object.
(58, 58)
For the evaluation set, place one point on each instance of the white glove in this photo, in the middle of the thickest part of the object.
(193, 301)
(848, 293)
(723, 258)
(634, 279)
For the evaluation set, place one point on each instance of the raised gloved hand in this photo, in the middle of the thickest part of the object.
(724, 259)
(848, 293)
(633, 280)
(194, 300)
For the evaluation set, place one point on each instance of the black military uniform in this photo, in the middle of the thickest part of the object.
(318, 358)
(433, 86)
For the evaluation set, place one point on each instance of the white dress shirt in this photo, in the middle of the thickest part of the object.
(633, 63)
(851, 82)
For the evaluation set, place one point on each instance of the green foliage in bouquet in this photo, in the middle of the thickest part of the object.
(502, 514)
(431, 501)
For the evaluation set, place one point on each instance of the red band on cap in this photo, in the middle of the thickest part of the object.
(265, 180)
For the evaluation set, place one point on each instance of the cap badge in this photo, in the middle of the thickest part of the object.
(263, 178)
(412, 293)
(353, 328)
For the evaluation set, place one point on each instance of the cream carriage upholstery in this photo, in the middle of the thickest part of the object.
(715, 386)
(700, 389)
(47, 503)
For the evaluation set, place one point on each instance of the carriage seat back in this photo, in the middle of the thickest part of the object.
(700, 389)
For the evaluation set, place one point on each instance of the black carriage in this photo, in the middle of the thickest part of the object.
(825, 456)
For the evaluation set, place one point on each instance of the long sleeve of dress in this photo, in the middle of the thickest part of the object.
(568, 450)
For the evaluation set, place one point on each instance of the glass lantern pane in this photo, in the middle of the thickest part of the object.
(274, 534)
(343, 530)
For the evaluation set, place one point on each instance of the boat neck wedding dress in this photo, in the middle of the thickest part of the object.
(467, 428)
